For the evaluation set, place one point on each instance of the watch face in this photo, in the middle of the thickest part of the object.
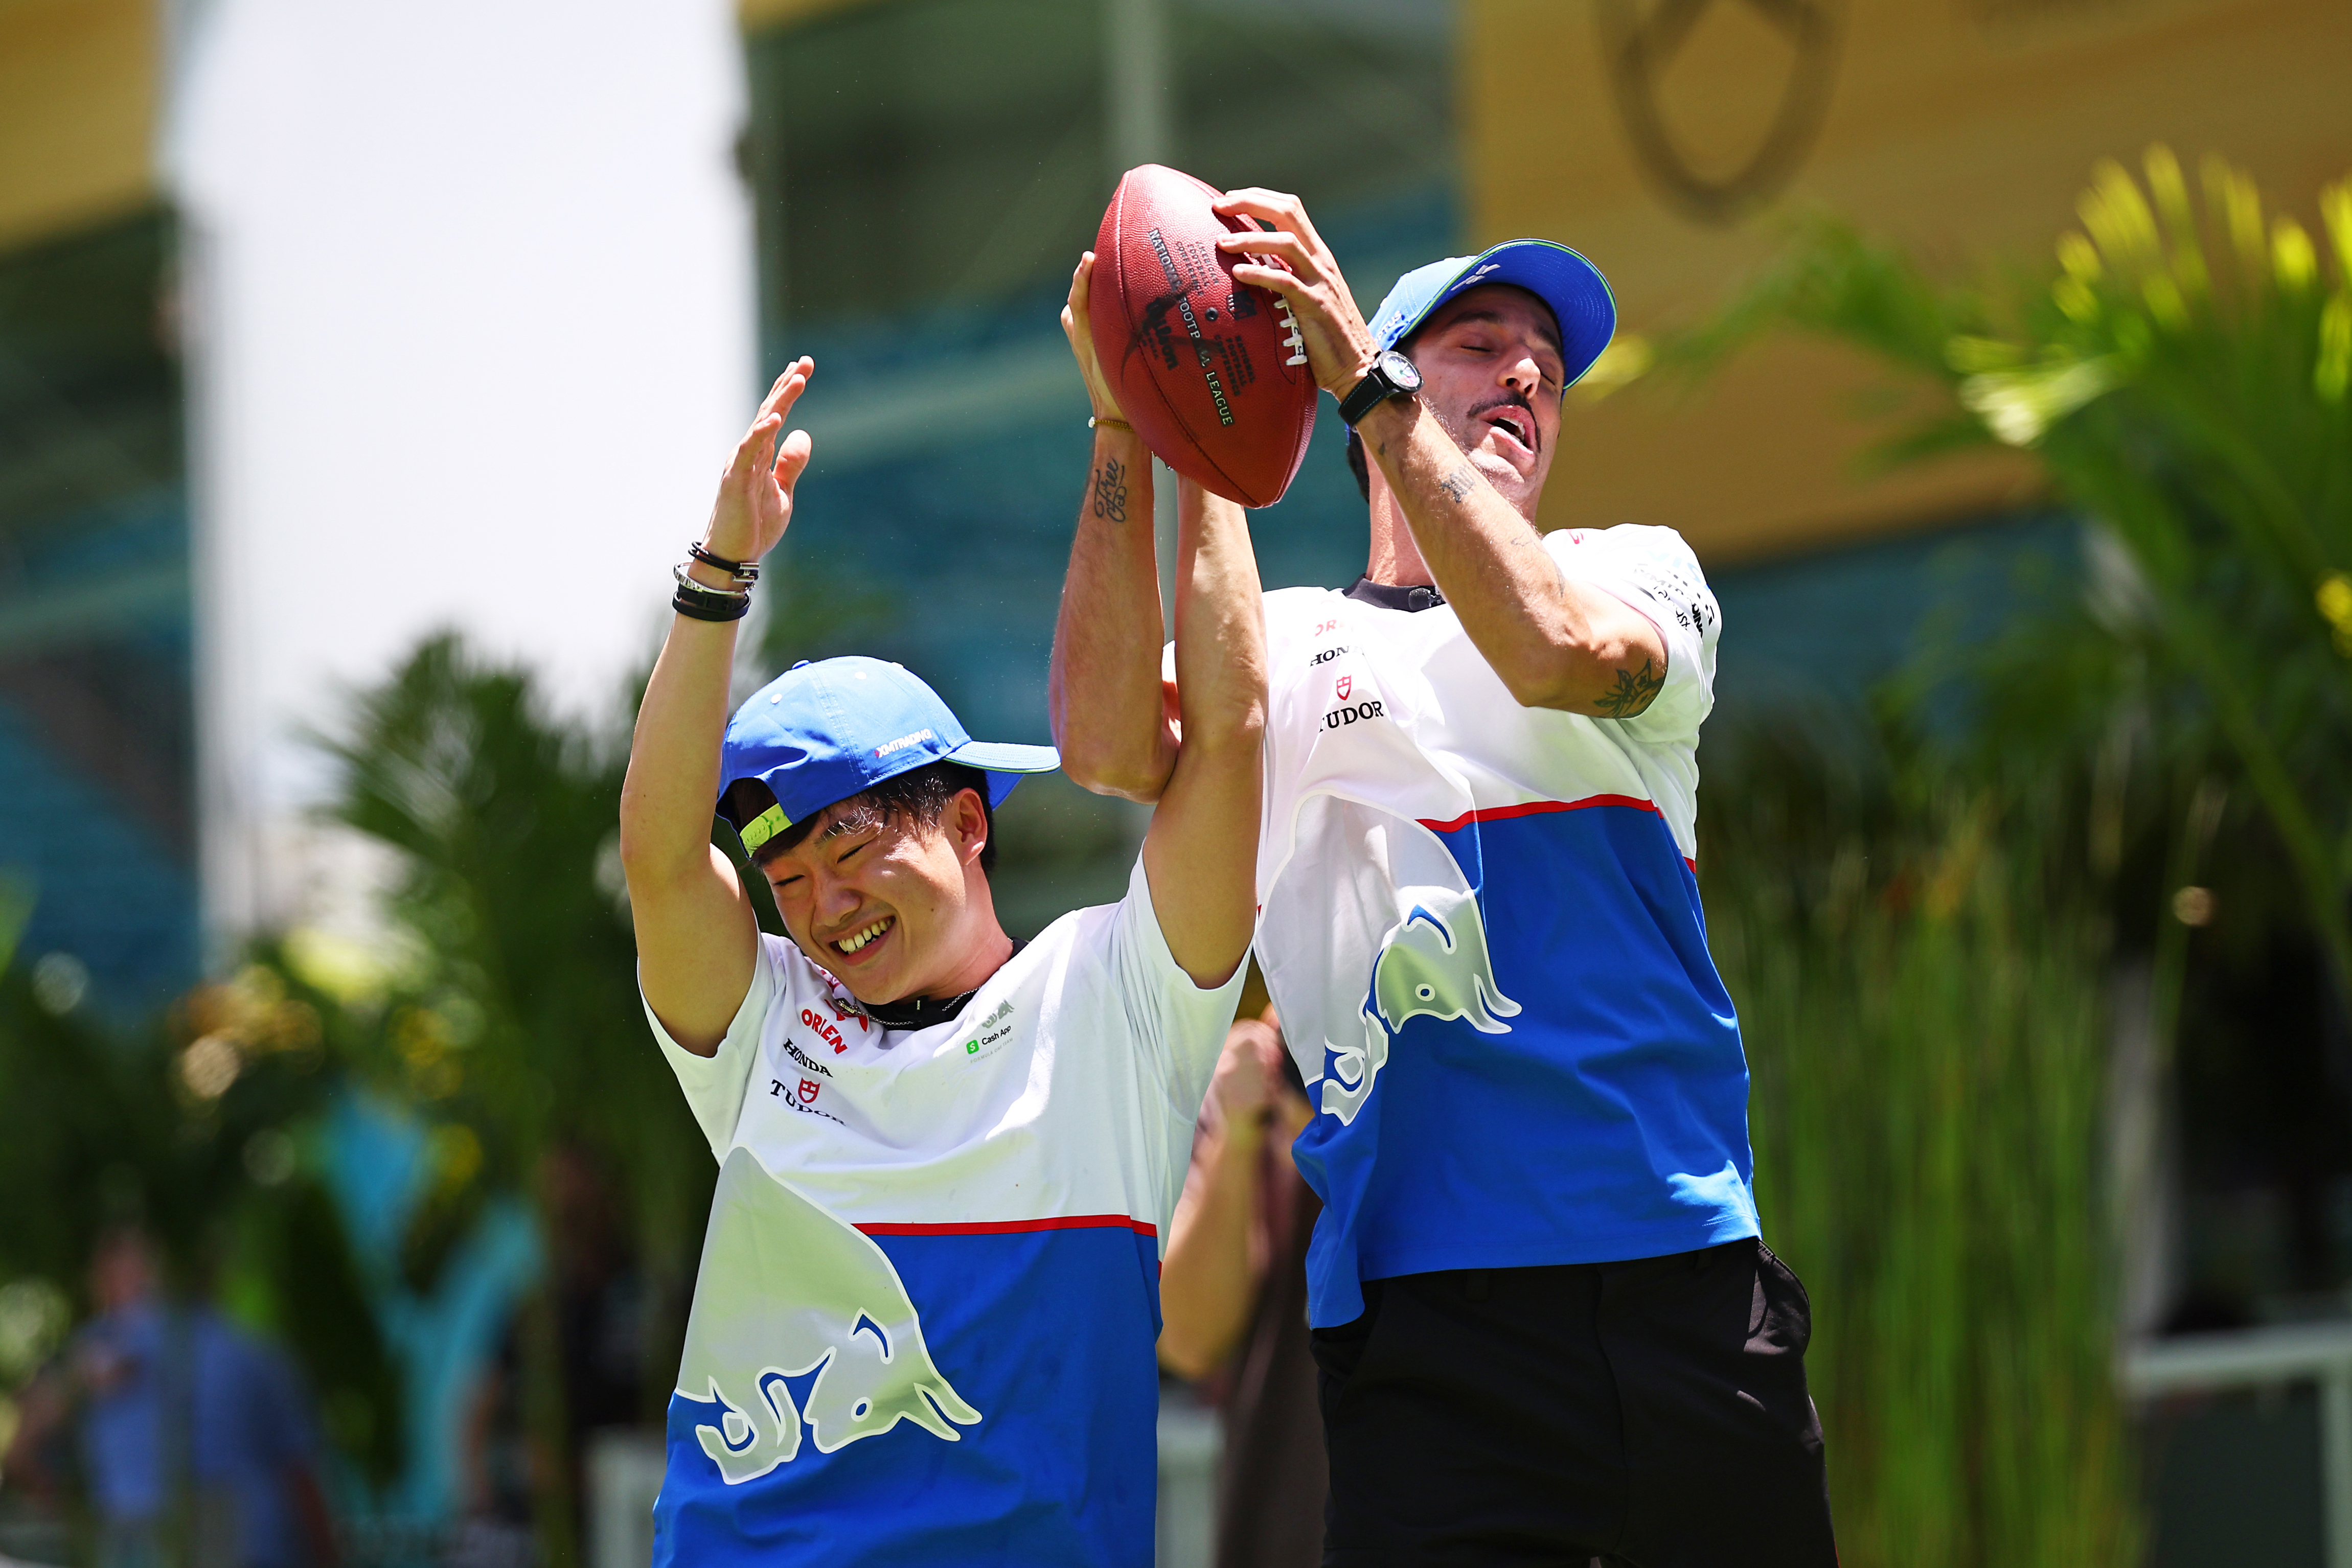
(1402, 372)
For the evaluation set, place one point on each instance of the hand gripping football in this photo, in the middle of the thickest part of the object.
(1212, 373)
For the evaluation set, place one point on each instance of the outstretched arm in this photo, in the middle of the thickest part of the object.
(1110, 715)
(696, 938)
(1555, 642)
(1201, 850)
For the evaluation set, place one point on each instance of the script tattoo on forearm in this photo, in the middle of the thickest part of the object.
(1633, 693)
(1110, 491)
(1457, 483)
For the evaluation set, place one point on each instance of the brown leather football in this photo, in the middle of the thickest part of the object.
(1211, 372)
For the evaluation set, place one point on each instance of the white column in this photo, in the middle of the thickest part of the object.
(1139, 127)
(470, 327)
(1138, 86)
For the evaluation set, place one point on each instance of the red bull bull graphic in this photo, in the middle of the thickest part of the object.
(1435, 964)
(786, 1289)
(1374, 903)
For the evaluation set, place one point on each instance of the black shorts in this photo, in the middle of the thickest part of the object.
(1651, 1413)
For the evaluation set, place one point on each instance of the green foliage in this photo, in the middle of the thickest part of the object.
(291, 1275)
(189, 1127)
(1918, 998)
(519, 1018)
(516, 1022)
(2183, 382)
(1918, 940)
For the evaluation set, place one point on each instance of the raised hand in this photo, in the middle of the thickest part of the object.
(755, 493)
(1339, 345)
(1074, 326)
(1242, 1090)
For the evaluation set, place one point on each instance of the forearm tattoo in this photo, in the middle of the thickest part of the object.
(1633, 693)
(1457, 485)
(1110, 491)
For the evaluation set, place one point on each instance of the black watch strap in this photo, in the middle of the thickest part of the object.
(1366, 395)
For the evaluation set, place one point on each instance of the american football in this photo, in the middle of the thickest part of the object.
(1212, 373)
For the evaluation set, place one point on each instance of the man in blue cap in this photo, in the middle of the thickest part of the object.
(1545, 1324)
(923, 1324)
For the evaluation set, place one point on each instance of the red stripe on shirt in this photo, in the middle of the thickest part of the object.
(1537, 808)
(1018, 1227)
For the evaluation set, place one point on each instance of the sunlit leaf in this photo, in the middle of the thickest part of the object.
(2293, 260)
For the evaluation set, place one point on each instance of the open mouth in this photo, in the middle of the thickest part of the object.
(863, 937)
(1516, 422)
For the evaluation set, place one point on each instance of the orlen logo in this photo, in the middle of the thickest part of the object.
(825, 1032)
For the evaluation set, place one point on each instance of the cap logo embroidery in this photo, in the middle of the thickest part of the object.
(764, 826)
(904, 741)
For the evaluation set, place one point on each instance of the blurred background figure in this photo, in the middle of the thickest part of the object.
(196, 1442)
(599, 1305)
(1233, 1302)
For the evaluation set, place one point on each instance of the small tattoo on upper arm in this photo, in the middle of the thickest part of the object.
(1457, 485)
(1633, 693)
(1110, 491)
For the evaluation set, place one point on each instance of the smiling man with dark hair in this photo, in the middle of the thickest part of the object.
(922, 1329)
(1545, 1324)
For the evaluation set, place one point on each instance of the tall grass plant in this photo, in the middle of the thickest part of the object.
(1924, 1023)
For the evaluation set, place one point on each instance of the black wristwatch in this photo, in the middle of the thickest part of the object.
(1392, 375)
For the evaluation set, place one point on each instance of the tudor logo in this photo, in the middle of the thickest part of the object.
(1347, 683)
(1641, 42)
(808, 1090)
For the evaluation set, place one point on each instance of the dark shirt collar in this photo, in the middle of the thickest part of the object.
(922, 1012)
(1388, 596)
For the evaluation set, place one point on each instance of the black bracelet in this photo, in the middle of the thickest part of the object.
(744, 572)
(718, 607)
(700, 602)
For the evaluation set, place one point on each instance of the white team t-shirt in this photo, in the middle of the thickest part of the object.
(1480, 923)
(923, 1326)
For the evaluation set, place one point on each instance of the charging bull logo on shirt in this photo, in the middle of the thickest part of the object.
(786, 1289)
(1434, 964)
(1369, 924)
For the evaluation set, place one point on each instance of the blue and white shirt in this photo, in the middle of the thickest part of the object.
(1480, 923)
(922, 1330)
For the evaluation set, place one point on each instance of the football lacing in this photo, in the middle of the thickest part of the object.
(1295, 341)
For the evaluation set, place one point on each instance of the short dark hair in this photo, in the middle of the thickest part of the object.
(920, 795)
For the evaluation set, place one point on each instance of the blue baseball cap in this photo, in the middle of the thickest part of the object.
(822, 732)
(1579, 296)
